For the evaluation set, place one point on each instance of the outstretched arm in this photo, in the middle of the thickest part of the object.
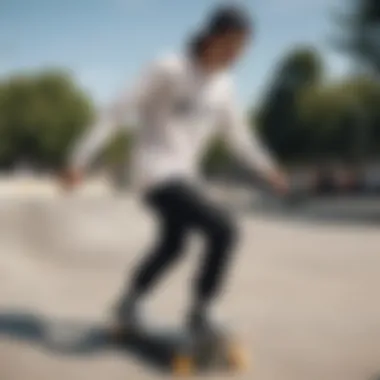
(110, 119)
(247, 146)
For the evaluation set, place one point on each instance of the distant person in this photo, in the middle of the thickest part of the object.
(182, 101)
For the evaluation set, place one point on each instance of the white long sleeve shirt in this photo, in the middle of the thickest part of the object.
(179, 109)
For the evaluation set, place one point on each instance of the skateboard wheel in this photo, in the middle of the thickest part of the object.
(237, 358)
(182, 366)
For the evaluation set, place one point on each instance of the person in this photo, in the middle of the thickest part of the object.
(182, 100)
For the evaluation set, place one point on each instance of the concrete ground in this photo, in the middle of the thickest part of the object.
(303, 297)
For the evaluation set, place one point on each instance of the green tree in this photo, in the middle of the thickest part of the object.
(278, 117)
(117, 154)
(342, 119)
(359, 32)
(216, 158)
(41, 114)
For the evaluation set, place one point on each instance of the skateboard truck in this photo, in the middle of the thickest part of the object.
(206, 352)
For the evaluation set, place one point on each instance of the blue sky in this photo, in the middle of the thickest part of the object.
(105, 42)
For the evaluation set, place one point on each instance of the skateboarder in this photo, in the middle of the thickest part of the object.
(182, 101)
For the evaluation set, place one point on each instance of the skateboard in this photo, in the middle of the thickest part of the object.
(188, 353)
(208, 351)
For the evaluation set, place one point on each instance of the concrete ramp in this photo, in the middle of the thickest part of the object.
(303, 297)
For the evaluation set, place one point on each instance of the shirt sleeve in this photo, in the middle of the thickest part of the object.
(242, 139)
(109, 120)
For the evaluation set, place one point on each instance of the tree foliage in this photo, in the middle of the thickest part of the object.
(41, 114)
(306, 118)
(278, 117)
(358, 32)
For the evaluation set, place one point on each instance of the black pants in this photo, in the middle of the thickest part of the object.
(181, 209)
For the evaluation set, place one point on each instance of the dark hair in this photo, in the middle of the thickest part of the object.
(221, 21)
(197, 44)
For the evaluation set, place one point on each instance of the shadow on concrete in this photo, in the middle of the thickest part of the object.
(86, 339)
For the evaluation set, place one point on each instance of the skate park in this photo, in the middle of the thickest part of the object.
(302, 295)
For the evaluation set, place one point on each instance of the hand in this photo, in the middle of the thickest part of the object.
(71, 178)
(279, 182)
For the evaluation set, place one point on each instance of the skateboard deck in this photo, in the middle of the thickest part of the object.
(187, 353)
